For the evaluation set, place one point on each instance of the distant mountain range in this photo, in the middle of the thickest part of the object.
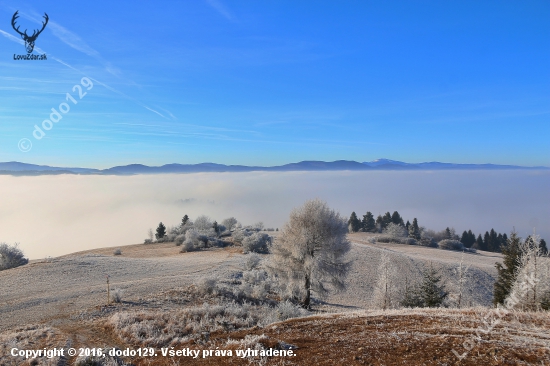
(16, 168)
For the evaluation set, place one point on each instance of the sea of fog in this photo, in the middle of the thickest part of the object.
(55, 215)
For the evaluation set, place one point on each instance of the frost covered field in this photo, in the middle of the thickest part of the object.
(55, 215)
(79, 229)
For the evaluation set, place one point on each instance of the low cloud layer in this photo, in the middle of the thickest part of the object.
(55, 215)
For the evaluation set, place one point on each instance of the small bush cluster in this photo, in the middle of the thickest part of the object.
(389, 239)
(160, 329)
(11, 256)
(117, 252)
(257, 242)
(451, 244)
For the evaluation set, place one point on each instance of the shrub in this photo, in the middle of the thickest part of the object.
(11, 256)
(147, 241)
(187, 246)
(287, 310)
(257, 242)
(207, 286)
(215, 243)
(450, 244)
(240, 234)
(391, 239)
(180, 239)
(252, 261)
(193, 241)
(116, 295)
(117, 252)
(428, 242)
(168, 238)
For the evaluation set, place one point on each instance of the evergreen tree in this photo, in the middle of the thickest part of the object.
(397, 219)
(486, 241)
(216, 227)
(386, 219)
(493, 245)
(407, 225)
(429, 293)
(354, 223)
(414, 230)
(472, 238)
(479, 243)
(161, 231)
(379, 223)
(184, 220)
(507, 272)
(465, 238)
(468, 238)
(543, 247)
(448, 234)
(368, 222)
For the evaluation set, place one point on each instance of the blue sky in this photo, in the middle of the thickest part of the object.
(266, 83)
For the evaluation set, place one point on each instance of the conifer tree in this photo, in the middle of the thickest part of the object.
(161, 231)
(353, 223)
(507, 270)
(380, 223)
(368, 222)
(543, 247)
(414, 230)
(429, 293)
(472, 238)
(386, 219)
(479, 243)
(184, 220)
(397, 219)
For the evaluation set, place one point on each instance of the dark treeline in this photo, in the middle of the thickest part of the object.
(491, 241)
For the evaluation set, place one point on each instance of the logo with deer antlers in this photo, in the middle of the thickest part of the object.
(29, 40)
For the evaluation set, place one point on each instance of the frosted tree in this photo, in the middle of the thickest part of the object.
(309, 255)
(461, 272)
(230, 223)
(531, 288)
(203, 223)
(395, 231)
(385, 288)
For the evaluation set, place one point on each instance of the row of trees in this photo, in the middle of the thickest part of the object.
(491, 241)
(370, 225)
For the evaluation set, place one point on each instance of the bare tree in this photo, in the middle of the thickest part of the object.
(309, 254)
